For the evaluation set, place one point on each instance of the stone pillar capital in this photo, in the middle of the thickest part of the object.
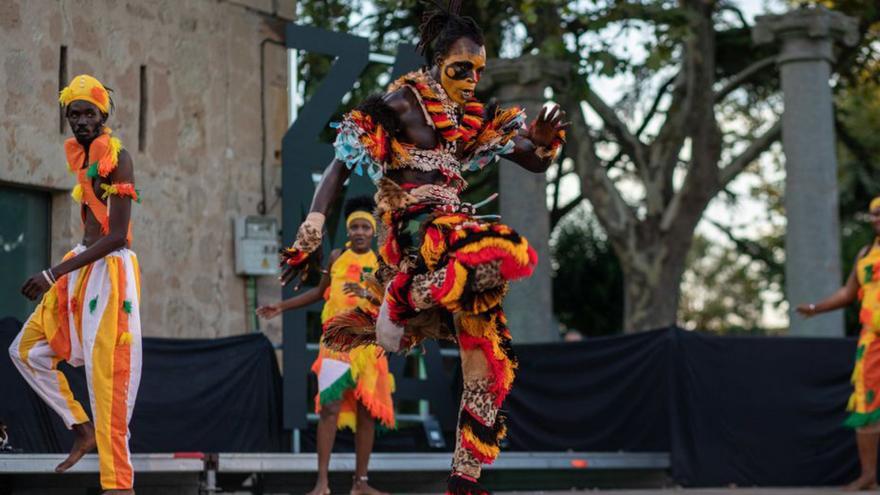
(807, 33)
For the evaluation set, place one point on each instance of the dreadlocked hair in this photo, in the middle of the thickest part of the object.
(359, 203)
(443, 26)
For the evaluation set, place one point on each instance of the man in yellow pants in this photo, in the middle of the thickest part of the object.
(89, 312)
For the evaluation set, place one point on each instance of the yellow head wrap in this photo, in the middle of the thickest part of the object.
(875, 203)
(86, 88)
(360, 215)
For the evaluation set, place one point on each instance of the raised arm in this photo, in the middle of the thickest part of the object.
(841, 298)
(535, 148)
(330, 187)
(119, 207)
(361, 147)
(296, 260)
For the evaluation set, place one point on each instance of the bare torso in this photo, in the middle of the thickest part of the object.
(416, 131)
(91, 226)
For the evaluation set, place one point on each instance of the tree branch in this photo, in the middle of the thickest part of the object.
(612, 211)
(750, 154)
(666, 147)
(628, 141)
(556, 182)
(739, 14)
(557, 214)
(685, 207)
(661, 92)
(752, 249)
(743, 76)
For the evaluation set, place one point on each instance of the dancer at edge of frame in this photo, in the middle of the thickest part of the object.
(354, 387)
(863, 285)
(444, 270)
(89, 312)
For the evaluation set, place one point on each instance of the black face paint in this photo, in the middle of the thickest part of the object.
(460, 71)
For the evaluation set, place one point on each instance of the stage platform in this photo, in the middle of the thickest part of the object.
(197, 473)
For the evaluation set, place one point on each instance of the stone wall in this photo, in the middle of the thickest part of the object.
(200, 163)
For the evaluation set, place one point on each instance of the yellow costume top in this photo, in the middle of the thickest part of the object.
(366, 378)
(868, 275)
(864, 403)
(349, 267)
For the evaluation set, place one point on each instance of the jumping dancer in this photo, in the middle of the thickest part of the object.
(444, 270)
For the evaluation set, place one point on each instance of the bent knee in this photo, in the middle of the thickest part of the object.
(331, 410)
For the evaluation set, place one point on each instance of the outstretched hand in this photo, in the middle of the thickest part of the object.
(289, 273)
(546, 127)
(354, 289)
(35, 287)
(807, 310)
(269, 311)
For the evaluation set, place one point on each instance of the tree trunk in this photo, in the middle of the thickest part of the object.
(652, 272)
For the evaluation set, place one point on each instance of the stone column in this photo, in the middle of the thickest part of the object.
(812, 244)
(523, 195)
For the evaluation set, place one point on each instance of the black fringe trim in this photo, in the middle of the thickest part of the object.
(458, 485)
(489, 435)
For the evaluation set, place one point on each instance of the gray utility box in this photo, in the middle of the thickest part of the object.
(256, 245)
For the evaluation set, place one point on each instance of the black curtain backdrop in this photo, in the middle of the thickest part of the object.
(602, 395)
(729, 410)
(761, 411)
(195, 395)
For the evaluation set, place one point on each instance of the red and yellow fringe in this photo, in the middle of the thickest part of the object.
(121, 189)
(375, 139)
(489, 334)
(471, 122)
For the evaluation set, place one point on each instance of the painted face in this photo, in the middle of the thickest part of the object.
(461, 68)
(360, 233)
(85, 119)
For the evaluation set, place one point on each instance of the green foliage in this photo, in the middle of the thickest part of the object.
(724, 291)
(587, 280)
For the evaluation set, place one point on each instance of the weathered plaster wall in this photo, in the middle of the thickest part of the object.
(200, 166)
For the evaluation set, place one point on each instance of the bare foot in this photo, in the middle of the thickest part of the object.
(863, 482)
(362, 488)
(82, 445)
(321, 488)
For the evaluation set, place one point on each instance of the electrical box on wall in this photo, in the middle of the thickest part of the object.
(256, 245)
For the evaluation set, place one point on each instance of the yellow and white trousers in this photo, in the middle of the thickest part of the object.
(90, 317)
